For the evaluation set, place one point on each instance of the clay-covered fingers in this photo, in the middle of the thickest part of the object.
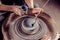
(35, 11)
(17, 10)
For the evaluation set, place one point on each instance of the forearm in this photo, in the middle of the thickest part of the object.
(5, 7)
(29, 3)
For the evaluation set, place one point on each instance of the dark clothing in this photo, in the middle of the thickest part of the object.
(11, 2)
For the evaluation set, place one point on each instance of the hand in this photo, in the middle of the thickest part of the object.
(16, 10)
(11, 8)
(35, 11)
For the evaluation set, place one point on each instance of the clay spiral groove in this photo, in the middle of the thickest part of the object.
(32, 33)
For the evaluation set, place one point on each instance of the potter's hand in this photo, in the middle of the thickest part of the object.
(35, 11)
(11, 8)
(32, 9)
(17, 10)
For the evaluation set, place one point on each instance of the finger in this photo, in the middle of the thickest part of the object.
(37, 11)
(16, 11)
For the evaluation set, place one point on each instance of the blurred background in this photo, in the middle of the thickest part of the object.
(52, 8)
